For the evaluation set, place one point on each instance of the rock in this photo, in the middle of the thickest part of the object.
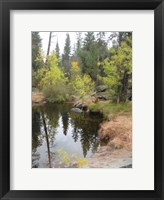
(96, 112)
(127, 166)
(101, 88)
(78, 105)
(90, 99)
(76, 110)
(103, 96)
(81, 106)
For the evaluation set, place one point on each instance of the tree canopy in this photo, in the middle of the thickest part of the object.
(98, 58)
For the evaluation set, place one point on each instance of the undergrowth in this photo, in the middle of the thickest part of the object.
(109, 108)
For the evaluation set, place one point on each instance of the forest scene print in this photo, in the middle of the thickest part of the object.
(81, 99)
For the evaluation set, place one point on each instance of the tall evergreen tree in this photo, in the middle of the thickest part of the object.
(37, 57)
(67, 47)
(66, 55)
(89, 40)
(88, 55)
(57, 50)
(102, 46)
(79, 41)
(102, 50)
(36, 51)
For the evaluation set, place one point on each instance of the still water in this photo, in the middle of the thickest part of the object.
(55, 129)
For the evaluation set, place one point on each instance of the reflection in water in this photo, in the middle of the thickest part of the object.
(54, 127)
(47, 139)
(36, 139)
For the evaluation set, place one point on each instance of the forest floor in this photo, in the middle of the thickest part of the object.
(117, 153)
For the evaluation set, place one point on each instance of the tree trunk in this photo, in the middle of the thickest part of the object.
(124, 87)
(118, 99)
(49, 45)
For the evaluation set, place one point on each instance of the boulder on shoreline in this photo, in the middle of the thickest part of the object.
(76, 110)
(80, 106)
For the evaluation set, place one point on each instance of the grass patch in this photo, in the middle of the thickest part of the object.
(109, 108)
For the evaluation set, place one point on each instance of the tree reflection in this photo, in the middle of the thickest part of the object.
(36, 139)
(47, 139)
(86, 128)
(64, 112)
(75, 134)
(65, 119)
(45, 126)
(50, 118)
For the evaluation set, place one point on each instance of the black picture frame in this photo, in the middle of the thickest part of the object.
(5, 7)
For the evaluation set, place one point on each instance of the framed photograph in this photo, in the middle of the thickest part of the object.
(81, 99)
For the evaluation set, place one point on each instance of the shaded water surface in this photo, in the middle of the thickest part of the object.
(54, 128)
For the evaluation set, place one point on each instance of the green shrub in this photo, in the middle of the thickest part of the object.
(111, 108)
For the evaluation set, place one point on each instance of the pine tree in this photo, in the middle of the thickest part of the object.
(36, 51)
(102, 51)
(89, 40)
(79, 41)
(66, 55)
(102, 46)
(89, 56)
(57, 50)
(37, 57)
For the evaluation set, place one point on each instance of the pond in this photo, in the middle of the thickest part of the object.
(59, 136)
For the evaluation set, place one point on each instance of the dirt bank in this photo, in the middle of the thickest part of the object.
(38, 98)
(117, 133)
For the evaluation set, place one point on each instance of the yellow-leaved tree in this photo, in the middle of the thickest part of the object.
(52, 80)
(118, 71)
(81, 84)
